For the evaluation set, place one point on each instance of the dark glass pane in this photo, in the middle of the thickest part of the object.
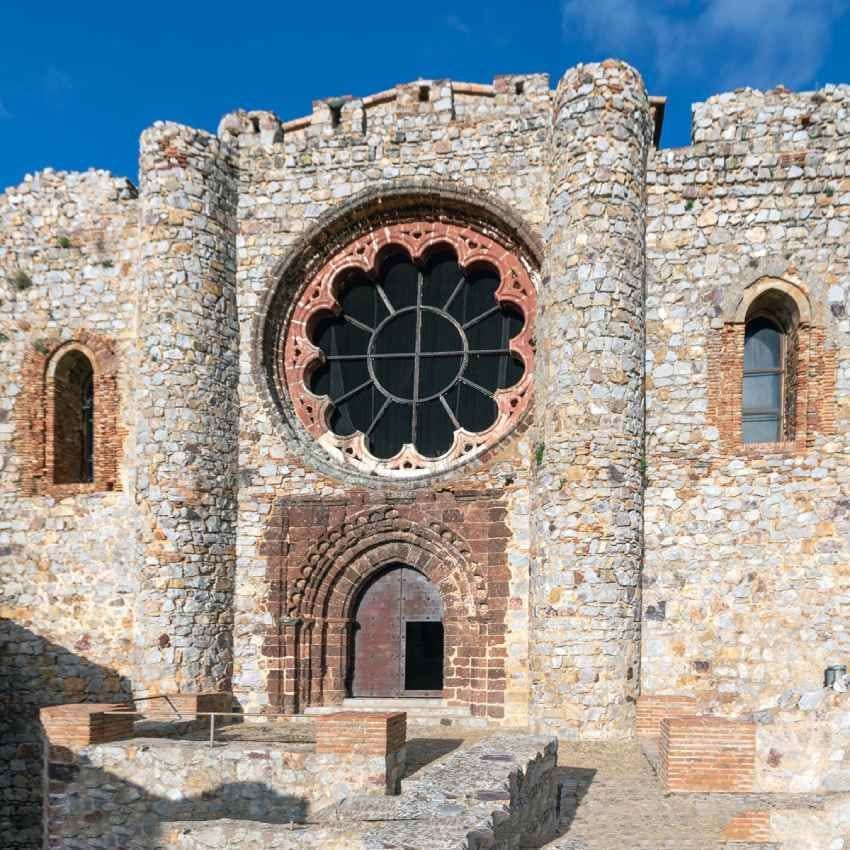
(360, 299)
(336, 336)
(494, 371)
(441, 279)
(762, 345)
(392, 431)
(476, 297)
(398, 335)
(359, 411)
(400, 278)
(437, 333)
(762, 392)
(434, 429)
(437, 374)
(474, 410)
(496, 330)
(761, 429)
(395, 375)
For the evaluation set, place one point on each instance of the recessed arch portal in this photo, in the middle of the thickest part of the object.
(334, 555)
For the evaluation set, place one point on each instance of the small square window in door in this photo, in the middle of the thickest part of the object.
(423, 658)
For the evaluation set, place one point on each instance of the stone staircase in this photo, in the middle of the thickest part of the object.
(433, 711)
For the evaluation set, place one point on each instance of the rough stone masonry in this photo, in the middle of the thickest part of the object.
(595, 531)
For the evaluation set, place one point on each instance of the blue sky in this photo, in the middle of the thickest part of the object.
(80, 81)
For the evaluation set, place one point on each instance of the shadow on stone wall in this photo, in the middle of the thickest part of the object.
(128, 817)
(35, 672)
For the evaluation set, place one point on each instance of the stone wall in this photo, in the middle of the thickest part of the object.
(745, 577)
(67, 272)
(435, 149)
(187, 410)
(586, 496)
(118, 795)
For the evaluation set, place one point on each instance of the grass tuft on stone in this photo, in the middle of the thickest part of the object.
(20, 280)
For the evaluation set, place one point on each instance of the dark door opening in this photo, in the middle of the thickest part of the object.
(423, 657)
(398, 637)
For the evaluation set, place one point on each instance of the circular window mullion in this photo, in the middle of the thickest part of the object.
(434, 396)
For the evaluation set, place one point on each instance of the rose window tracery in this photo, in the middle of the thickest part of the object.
(411, 349)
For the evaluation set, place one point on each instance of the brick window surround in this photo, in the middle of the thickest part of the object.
(810, 367)
(299, 355)
(323, 552)
(35, 417)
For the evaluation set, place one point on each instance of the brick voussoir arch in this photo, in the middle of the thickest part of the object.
(367, 542)
(324, 591)
(33, 415)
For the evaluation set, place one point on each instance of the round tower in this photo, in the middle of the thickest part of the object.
(187, 409)
(587, 489)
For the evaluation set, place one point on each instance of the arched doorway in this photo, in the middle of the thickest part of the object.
(398, 636)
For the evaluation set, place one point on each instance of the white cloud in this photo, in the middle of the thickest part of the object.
(730, 42)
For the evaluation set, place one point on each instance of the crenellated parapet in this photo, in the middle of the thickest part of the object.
(437, 102)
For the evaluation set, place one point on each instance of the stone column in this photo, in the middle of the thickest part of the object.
(187, 408)
(588, 469)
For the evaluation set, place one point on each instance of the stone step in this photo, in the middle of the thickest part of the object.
(426, 709)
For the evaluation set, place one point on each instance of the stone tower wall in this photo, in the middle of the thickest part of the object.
(485, 144)
(586, 492)
(746, 588)
(67, 579)
(187, 410)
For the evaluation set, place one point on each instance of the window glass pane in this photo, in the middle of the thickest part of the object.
(400, 278)
(434, 429)
(762, 346)
(442, 276)
(392, 431)
(761, 429)
(375, 353)
(762, 392)
(477, 296)
(359, 300)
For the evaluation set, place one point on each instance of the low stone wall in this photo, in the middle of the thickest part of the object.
(498, 794)
(117, 794)
(803, 745)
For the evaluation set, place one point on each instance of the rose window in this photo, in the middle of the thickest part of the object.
(411, 350)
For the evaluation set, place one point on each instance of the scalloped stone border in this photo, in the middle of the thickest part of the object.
(318, 297)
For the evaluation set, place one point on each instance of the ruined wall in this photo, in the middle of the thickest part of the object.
(746, 582)
(445, 147)
(67, 252)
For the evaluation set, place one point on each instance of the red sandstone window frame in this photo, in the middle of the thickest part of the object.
(35, 427)
(299, 355)
(809, 410)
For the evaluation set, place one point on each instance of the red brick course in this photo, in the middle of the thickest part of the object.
(361, 733)
(810, 390)
(35, 428)
(699, 754)
(653, 708)
(749, 827)
(78, 725)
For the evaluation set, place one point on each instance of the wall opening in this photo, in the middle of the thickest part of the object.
(73, 419)
(398, 636)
